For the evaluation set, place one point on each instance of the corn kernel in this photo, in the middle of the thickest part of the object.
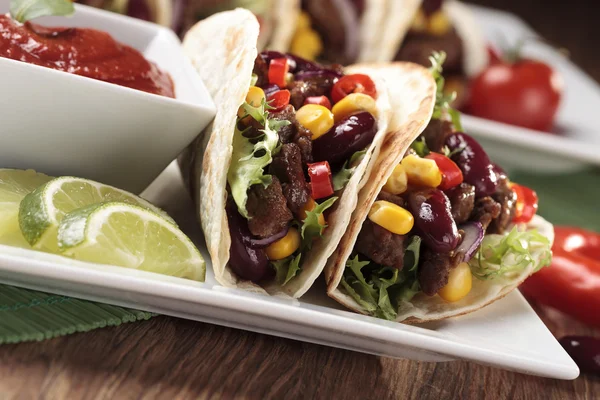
(459, 283)
(254, 97)
(421, 171)
(419, 23)
(391, 217)
(309, 206)
(316, 118)
(397, 183)
(303, 21)
(307, 44)
(352, 104)
(439, 24)
(285, 246)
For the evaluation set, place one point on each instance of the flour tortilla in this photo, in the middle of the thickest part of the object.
(223, 50)
(401, 14)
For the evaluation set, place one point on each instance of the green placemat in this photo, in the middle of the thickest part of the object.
(28, 315)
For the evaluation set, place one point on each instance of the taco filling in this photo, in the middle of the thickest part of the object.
(299, 135)
(432, 30)
(446, 214)
(328, 30)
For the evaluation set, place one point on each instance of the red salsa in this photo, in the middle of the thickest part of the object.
(81, 51)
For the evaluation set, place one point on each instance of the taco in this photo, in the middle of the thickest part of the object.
(440, 232)
(416, 28)
(277, 174)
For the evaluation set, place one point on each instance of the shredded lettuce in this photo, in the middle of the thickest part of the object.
(311, 227)
(287, 268)
(379, 290)
(341, 178)
(503, 256)
(251, 155)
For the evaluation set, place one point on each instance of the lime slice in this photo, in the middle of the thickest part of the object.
(42, 210)
(129, 236)
(15, 184)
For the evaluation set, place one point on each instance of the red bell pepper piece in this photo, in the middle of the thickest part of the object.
(355, 83)
(278, 69)
(279, 99)
(320, 100)
(527, 203)
(320, 180)
(451, 174)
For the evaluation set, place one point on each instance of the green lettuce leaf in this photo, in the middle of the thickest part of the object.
(503, 256)
(341, 178)
(25, 10)
(251, 156)
(311, 227)
(420, 146)
(357, 287)
(287, 268)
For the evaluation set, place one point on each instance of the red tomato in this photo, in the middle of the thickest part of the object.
(527, 203)
(320, 180)
(572, 283)
(279, 99)
(526, 93)
(278, 69)
(451, 175)
(356, 83)
(320, 100)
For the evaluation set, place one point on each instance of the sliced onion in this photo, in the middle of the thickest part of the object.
(262, 243)
(270, 88)
(473, 236)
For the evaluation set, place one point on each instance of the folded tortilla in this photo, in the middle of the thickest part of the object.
(421, 308)
(223, 48)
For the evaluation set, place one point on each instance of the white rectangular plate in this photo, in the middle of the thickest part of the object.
(507, 334)
(576, 136)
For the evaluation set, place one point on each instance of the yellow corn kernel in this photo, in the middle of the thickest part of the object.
(352, 104)
(307, 44)
(316, 118)
(309, 206)
(439, 24)
(254, 97)
(419, 23)
(285, 246)
(391, 217)
(303, 21)
(421, 171)
(397, 183)
(459, 283)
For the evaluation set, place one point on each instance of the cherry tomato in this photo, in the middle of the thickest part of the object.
(320, 100)
(451, 175)
(278, 69)
(572, 283)
(526, 93)
(527, 203)
(320, 180)
(279, 99)
(356, 83)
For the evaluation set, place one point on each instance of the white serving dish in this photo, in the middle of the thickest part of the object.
(508, 334)
(576, 137)
(64, 124)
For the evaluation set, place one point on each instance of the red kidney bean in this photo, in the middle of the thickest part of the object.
(585, 351)
(474, 163)
(432, 212)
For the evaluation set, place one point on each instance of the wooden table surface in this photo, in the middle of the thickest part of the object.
(173, 358)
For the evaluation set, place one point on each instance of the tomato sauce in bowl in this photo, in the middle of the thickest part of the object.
(82, 51)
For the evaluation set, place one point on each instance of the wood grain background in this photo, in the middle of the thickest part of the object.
(177, 359)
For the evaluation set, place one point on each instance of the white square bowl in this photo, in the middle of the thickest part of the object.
(65, 124)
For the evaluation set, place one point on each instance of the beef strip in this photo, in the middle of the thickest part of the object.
(380, 245)
(392, 198)
(417, 47)
(261, 69)
(462, 199)
(486, 209)
(435, 134)
(287, 166)
(317, 86)
(507, 199)
(435, 268)
(286, 133)
(267, 208)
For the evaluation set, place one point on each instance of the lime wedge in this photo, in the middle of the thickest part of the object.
(15, 184)
(42, 210)
(129, 236)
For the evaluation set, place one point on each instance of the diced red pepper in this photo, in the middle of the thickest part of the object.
(320, 179)
(355, 83)
(527, 203)
(451, 174)
(279, 99)
(320, 100)
(278, 69)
